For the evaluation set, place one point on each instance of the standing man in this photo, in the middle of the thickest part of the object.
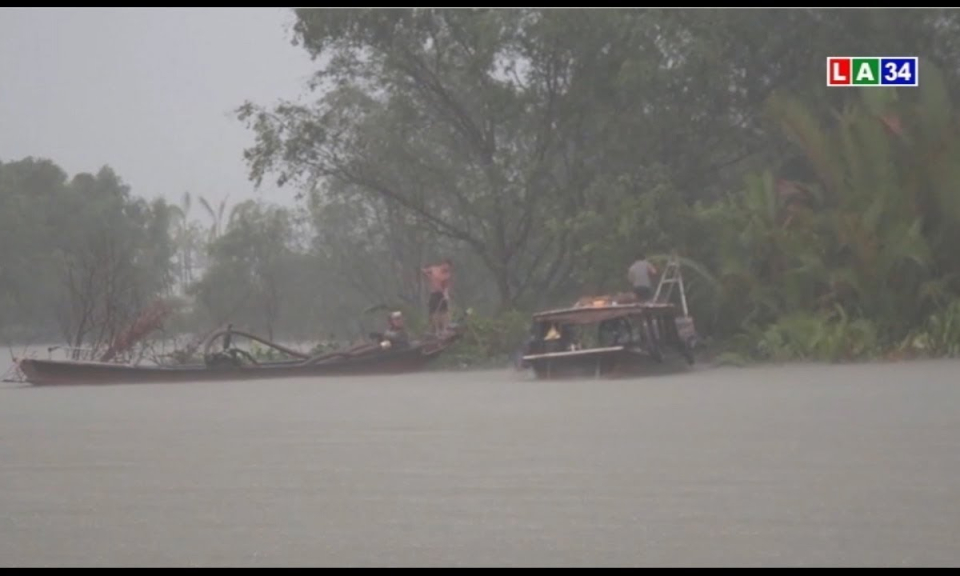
(438, 306)
(639, 274)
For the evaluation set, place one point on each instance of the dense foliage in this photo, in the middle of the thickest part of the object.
(542, 150)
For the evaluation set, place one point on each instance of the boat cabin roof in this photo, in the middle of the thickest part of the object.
(600, 309)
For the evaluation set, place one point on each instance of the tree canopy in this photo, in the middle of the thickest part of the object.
(543, 150)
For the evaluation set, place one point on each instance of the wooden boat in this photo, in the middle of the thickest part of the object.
(235, 364)
(607, 337)
(613, 335)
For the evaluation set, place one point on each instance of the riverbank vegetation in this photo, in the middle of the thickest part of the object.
(542, 150)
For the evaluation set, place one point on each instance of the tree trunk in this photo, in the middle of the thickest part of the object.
(504, 290)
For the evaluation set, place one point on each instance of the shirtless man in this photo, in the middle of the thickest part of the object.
(439, 276)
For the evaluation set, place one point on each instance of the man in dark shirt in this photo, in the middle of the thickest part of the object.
(395, 335)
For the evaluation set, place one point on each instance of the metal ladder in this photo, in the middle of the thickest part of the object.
(671, 276)
(685, 328)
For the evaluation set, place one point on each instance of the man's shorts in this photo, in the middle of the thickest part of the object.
(437, 303)
(643, 292)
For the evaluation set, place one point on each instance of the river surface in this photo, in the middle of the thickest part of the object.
(770, 466)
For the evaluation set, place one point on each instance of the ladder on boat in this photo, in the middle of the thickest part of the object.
(671, 277)
(686, 330)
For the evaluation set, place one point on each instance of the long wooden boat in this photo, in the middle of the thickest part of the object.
(233, 364)
(607, 336)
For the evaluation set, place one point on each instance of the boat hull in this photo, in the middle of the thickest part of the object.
(39, 372)
(605, 363)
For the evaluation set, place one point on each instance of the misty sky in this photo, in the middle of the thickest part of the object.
(148, 91)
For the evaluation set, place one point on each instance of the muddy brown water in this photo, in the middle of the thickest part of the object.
(771, 466)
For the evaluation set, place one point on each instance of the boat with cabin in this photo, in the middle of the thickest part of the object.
(612, 335)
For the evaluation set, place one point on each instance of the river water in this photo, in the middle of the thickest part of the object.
(772, 466)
